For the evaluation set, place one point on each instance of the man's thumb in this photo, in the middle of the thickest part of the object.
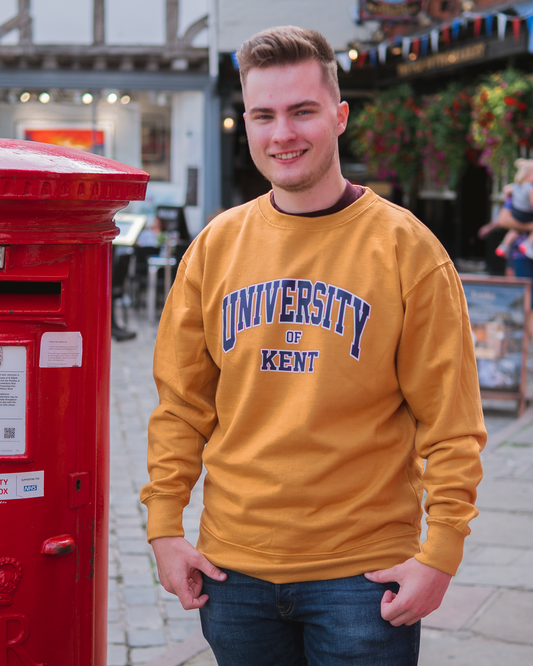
(382, 576)
(210, 569)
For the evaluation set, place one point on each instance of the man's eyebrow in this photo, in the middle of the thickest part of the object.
(306, 102)
(292, 107)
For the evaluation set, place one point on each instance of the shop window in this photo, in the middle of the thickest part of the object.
(155, 146)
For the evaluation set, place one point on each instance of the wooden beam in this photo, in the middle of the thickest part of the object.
(194, 29)
(18, 22)
(26, 29)
(172, 21)
(99, 22)
(180, 50)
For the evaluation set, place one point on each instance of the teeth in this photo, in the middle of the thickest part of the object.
(289, 156)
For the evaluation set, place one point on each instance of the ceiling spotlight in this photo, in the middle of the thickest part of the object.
(44, 97)
(25, 97)
(125, 99)
(353, 54)
(87, 98)
(412, 56)
(396, 50)
(112, 98)
(229, 124)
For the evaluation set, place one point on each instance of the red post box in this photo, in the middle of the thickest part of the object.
(56, 227)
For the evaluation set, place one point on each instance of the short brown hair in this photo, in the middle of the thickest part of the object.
(288, 45)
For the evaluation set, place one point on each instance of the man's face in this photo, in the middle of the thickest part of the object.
(292, 123)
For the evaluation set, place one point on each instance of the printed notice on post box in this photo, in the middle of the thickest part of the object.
(60, 350)
(12, 400)
(23, 485)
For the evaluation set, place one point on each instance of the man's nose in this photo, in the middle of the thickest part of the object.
(283, 131)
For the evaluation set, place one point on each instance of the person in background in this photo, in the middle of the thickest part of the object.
(520, 194)
(151, 236)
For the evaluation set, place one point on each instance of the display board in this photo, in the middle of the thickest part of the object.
(498, 309)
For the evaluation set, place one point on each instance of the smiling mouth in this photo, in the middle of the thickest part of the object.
(289, 156)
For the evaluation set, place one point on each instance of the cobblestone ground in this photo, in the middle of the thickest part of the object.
(143, 619)
(146, 625)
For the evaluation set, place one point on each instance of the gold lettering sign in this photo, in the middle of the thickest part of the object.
(440, 60)
(384, 9)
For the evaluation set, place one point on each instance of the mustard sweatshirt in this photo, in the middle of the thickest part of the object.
(314, 364)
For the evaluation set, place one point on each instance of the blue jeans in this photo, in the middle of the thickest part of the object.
(251, 622)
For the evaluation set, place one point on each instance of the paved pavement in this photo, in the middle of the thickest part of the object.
(486, 617)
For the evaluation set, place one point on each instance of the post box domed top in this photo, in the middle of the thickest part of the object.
(31, 170)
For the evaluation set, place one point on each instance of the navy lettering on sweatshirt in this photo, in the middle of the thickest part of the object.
(301, 303)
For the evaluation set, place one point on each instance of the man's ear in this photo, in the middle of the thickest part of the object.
(342, 117)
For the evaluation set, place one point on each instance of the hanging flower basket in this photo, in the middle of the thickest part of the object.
(502, 119)
(383, 136)
(444, 122)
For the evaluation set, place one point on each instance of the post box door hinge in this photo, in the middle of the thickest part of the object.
(2, 255)
(79, 489)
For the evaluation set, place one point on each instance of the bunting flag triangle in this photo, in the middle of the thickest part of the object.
(446, 34)
(502, 23)
(489, 18)
(529, 22)
(382, 52)
(374, 58)
(477, 25)
(344, 61)
(434, 41)
(424, 45)
(406, 47)
(455, 29)
(416, 47)
(362, 58)
(234, 60)
(516, 28)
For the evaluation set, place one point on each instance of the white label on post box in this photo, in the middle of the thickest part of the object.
(12, 400)
(22, 485)
(60, 350)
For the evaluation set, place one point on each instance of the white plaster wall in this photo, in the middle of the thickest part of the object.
(187, 149)
(8, 10)
(240, 19)
(62, 21)
(126, 21)
(189, 12)
(135, 21)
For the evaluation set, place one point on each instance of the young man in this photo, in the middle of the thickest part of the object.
(314, 352)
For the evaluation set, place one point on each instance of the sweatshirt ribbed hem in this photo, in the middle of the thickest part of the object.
(300, 567)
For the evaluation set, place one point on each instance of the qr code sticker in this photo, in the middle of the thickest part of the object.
(9, 433)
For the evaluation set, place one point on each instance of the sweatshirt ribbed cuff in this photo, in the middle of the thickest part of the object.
(164, 516)
(443, 549)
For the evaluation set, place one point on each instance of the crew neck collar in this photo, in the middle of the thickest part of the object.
(288, 221)
(350, 194)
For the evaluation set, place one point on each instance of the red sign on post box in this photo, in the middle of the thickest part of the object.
(56, 227)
